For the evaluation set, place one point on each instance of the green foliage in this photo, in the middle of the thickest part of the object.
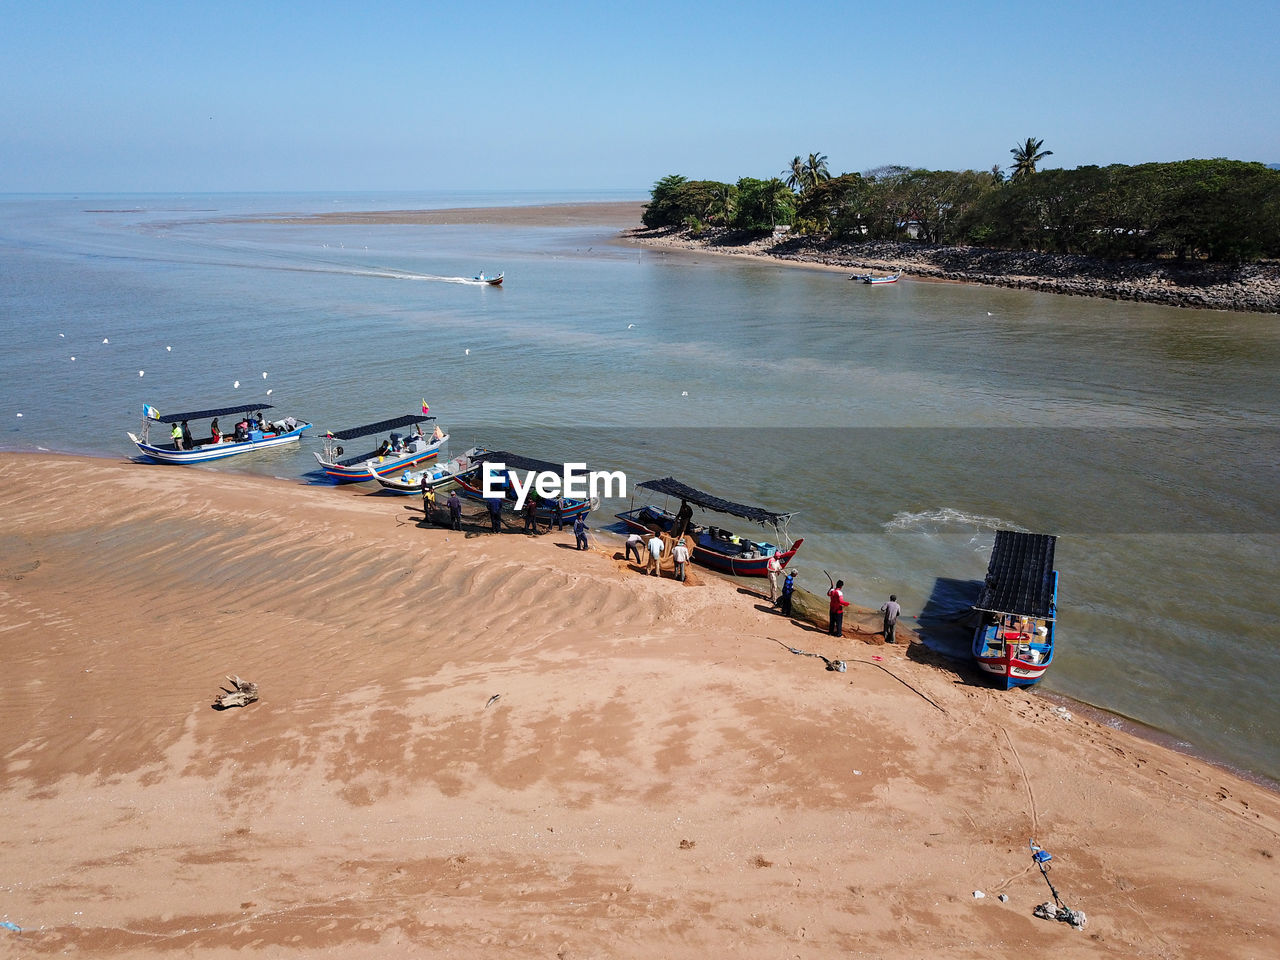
(1220, 210)
(1026, 156)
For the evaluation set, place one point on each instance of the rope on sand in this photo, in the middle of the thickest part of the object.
(831, 665)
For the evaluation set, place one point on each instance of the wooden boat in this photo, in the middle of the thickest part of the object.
(397, 453)
(491, 281)
(262, 434)
(1018, 605)
(714, 546)
(472, 485)
(439, 476)
(868, 278)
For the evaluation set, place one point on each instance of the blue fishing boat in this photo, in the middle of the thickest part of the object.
(437, 476)
(471, 485)
(252, 433)
(714, 546)
(396, 453)
(869, 278)
(1018, 607)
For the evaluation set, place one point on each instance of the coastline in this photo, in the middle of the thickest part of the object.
(659, 777)
(1249, 288)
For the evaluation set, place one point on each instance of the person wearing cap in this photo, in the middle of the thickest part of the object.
(835, 625)
(788, 587)
(773, 568)
(680, 555)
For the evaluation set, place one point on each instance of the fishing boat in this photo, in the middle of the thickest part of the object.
(395, 454)
(1018, 605)
(868, 278)
(714, 546)
(472, 485)
(438, 476)
(253, 432)
(491, 281)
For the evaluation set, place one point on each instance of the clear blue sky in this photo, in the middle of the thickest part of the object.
(183, 96)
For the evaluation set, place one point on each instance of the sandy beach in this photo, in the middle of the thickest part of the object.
(497, 746)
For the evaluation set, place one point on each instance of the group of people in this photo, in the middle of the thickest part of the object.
(890, 612)
(648, 554)
(183, 440)
(494, 505)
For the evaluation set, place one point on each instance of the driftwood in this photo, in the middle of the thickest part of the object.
(245, 693)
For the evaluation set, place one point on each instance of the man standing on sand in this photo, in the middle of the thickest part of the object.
(773, 568)
(656, 547)
(530, 515)
(836, 626)
(891, 612)
(557, 509)
(495, 513)
(428, 499)
(788, 588)
(680, 554)
(580, 531)
(455, 511)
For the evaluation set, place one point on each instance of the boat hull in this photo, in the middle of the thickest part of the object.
(206, 453)
(379, 466)
(704, 552)
(469, 485)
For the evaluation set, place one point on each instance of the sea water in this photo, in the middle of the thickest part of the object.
(903, 424)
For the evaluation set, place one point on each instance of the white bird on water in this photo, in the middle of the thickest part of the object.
(236, 385)
(141, 372)
(105, 340)
(630, 326)
(168, 349)
(264, 374)
(684, 393)
(467, 352)
(268, 393)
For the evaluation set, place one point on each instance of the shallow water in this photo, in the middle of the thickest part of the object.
(903, 423)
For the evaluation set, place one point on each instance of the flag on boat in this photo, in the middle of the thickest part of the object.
(150, 412)
(425, 408)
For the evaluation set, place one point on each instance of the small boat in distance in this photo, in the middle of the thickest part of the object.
(1018, 605)
(869, 278)
(713, 546)
(491, 281)
(395, 454)
(251, 433)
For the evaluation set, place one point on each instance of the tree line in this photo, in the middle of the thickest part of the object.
(1218, 210)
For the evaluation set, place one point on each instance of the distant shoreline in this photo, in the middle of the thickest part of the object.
(1251, 287)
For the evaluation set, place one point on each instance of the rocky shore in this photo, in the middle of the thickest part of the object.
(1250, 287)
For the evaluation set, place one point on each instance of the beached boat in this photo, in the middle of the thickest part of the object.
(1018, 605)
(714, 546)
(439, 476)
(252, 432)
(868, 278)
(472, 485)
(397, 452)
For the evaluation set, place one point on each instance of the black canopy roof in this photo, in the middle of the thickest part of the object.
(674, 488)
(1020, 576)
(382, 426)
(210, 414)
(516, 462)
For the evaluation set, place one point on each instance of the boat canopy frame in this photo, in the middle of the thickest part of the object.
(382, 426)
(1020, 579)
(210, 414)
(672, 487)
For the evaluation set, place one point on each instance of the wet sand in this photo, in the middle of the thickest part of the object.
(658, 775)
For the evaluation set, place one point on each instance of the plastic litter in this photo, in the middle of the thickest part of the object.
(1003, 898)
(8, 925)
(978, 894)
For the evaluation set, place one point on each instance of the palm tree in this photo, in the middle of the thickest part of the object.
(1026, 156)
(815, 170)
(796, 174)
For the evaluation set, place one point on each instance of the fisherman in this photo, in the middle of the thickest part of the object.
(495, 513)
(891, 612)
(635, 544)
(531, 515)
(455, 510)
(788, 587)
(188, 442)
(835, 626)
(214, 432)
(580, 531)
(683, 516)
(680, 554)
(176, 433)
(772, 567)
(656, 546)
(557, 509)
(428, 500)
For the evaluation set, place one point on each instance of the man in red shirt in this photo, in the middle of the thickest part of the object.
(838, 603)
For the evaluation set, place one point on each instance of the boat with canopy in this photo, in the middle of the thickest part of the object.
(472, 484)
(1018, 606)
(396, 453)
(714, 546)
(870, 278)
(252, 432)
(437, 476)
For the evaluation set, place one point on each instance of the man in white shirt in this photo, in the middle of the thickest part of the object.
(635, 545)
(773, 568)
(680, 554)
(656, 547)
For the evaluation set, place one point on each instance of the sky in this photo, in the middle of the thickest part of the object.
(144, 96)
